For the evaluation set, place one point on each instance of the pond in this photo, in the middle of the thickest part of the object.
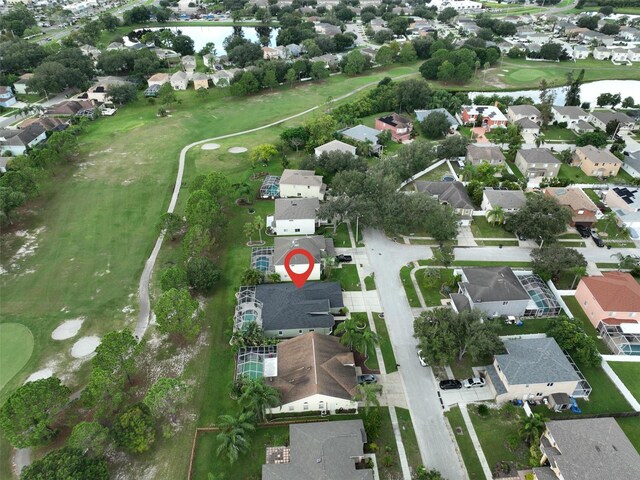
(203, 35)
(588, 92)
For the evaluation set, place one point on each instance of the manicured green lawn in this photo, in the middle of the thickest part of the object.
(347, 275)
(468, 451)
(591, 193)
(605, 397)
(587, 326)
(16, 345)
(481, 228)
(497, 243)
(495, 432)
(529, 325)
(610, 230)
(576, 175)
(516, 171)
(431, 289)
(436, 174)
(629, 373)
(463, 368)
(554, 132)
(341, 238)
(409, 438)
(410, 291)
(369, 282)
(388, 357)
(631, 428)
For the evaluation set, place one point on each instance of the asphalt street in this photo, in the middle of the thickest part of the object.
(436, 445)
(520, 254)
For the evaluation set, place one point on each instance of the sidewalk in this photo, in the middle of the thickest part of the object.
(475, 441)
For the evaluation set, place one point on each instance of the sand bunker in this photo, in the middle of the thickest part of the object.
(85, 346)
(39, 375)
(237, 150)
(210, 146)
(67, 329)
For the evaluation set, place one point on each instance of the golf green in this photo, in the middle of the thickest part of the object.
(16, 345)
(526, 74)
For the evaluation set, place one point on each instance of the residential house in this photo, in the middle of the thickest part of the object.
(580, 52)
(532, 368)
(453, 121)
(294, 216)
(596, 162)
(283, 310)
(582, 127)
(20, 85)
(631, 164)
(273, 53)
(569, 115)
(495, 291)
(586, 449)
(377, 24)
(600, 118)
(458, 5)
(69, 108)
(630, 34)
(601, 53)
(6, 97)
(596, 38)
(335, 146)
(363, 134)
(200, 80)
(323, 450)
(491, 154)
(49, 124)
(4, 161)
(17, 141)
(115, 46)
(491, 116)
(179, 81)
(293, 50)
(189, 63)
(158, 79)
(301, 184)
(619, 55)
(315, 372)
(98, 91)
(170, 56)
(209, 60)
(528, 126)
(453, 194)
(633, 54)
(626, 198)
(327, 29)
(91, 51)
(509, 200)
(222, 78)
(329, 59)
(537, 162)
(517, 112)
(399, 126)
(369, 52)
(318, 246)
(583, 210)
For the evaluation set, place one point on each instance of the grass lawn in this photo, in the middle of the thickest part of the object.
(610, 230)
(553, 132)
(468, 451)
(347, 275)
(16, 345)
(436, 174)
(409, 438)
(481, 228)
(591, 193)
(341, 238)
(529, 325)
(516, 171)
(369, 282)
(605, 397)
(497, 243)
(631, 428)
(576, 175)
(587, 326)
(570, 236)
(431, 289)
(496, 432)
(410, 291)
(629, 373)
(463, 368)
(388, 357)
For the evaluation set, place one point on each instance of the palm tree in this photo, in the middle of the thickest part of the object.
(496, 215)
(626, 262)
(258, 224)
(232, 437)
(467, 171)
(367, 342)
(247, 229)
(610, 217)
(257, 397)
(348, 331)
(274, 277)
(578, 271)
(368, 394)
(531, 427)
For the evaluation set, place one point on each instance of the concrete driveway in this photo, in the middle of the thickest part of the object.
(466, 395)
(436, 444)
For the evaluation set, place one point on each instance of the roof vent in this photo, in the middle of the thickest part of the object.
(318, 460)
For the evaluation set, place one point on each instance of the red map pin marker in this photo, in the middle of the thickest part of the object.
(298, 279)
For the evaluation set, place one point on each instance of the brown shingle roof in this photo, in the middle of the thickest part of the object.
(615, 291)
(314, 364)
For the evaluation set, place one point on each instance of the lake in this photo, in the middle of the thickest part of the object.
(203, 35)
(588, 92)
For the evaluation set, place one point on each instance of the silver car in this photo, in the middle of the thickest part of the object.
(473, 382)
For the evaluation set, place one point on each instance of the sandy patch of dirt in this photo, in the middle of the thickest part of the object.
(39, 375)
(85, 346)
(68, 329)
(237, 150)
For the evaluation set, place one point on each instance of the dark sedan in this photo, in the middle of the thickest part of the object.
(450, 385)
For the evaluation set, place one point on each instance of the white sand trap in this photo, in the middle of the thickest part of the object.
(67, 329)
(210, 146)
(39, 375)
(85, 346)
(237, 150)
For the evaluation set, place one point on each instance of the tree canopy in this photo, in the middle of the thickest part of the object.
(541, 219)
(65, 464)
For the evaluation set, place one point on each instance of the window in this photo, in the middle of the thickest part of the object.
(297, 230)
(550, 384)
(312, 329)
(305, 406)
(539, 394)
(321, 405)
(291, 408)
(280, 332)
(299, 331)
(505, 303)
(584, 303)
(580, 212)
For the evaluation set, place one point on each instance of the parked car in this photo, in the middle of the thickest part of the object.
(344, 258)
(367, 378)
(521, 236)
(420, 359)
(585, 232)
(597, 240)
(474, 382)
(450, 385)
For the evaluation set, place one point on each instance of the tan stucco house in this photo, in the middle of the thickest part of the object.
(596, 162)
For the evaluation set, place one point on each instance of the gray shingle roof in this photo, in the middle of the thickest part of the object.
(284, 306)
(422, 114)
(538, 155)
(296, 208)
(607, 116)
(527, 123)
(633, 160)
(317, 245)
(336, 145)
(300, 177)
(362, 133)
(535, 360)
(572, 112)
(507, 199)
(525, 110)
(322, 451)
(452, 193)
(493, 284)
(593, 449)
(477, 153)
